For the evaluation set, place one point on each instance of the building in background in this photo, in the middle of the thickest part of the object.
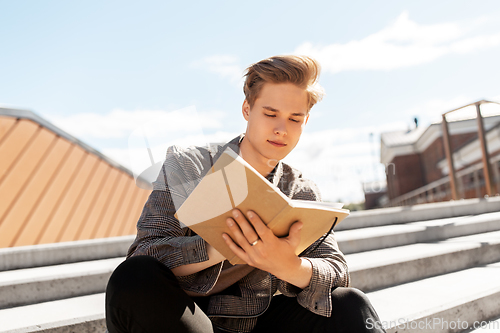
(375, 194)
(416, 165)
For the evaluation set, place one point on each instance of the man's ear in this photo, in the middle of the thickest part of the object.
(307, 118)
(245, 109)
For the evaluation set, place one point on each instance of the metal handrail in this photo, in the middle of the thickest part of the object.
(483, 101)
(437, 183)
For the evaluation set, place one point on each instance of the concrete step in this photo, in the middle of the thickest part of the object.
(446, 303)
(388, 267)
(62, 253)
(423, 212)
(395, 246)
(369, 270)
(470, 295)
(486, 327)
(41, 284)
(372, 238)
(78, 314)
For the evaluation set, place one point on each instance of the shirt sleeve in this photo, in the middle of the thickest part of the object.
(161, 235)
(329, 267)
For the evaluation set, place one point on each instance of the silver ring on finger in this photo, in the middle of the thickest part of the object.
(255, 243)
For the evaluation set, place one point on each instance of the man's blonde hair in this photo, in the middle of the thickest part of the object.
(302, 71)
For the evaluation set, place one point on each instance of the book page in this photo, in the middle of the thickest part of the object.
(232, 182)
(317, 204)
(316, 222)
(237, 181)
(211, 197)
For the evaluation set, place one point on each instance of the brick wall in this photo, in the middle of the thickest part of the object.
(435, 153)
(404, 175)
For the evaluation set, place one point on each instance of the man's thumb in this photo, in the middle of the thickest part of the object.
(294, 233)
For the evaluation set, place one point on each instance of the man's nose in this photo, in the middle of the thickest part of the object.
(280, 128)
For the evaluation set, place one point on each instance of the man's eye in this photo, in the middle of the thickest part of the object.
(295, 120)
(270, 115)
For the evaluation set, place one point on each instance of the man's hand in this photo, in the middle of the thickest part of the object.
(256, 244)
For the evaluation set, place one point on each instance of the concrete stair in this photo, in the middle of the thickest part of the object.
(489, 326)
(77, 314)
(423, 267)
(58, 287)
(386, 267)
(455, 299)
(40, 284)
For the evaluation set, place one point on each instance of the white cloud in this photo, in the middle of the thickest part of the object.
(120, 123)
(119, 155)
(138, 139)
(495, 99)
(431, 111)
(136, 157)
(474, 43)
(226, 66)
(403, 43)
(340, 160)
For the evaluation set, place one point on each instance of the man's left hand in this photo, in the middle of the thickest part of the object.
(257, 245)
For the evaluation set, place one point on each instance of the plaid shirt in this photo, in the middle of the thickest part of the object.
(161, 235)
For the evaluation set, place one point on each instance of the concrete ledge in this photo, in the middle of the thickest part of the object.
(79, 314)
(373, 238)
(424, 212)
(468, 295)
(384, 268)
(43, 284)
(490, 326)
(62, 253)
(90, 325)
(469, 310)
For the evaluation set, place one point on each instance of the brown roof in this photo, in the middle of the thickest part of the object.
(54, 188)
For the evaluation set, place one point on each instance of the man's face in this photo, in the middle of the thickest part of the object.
(276, 120)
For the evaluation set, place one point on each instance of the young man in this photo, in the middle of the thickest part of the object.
(173, 281)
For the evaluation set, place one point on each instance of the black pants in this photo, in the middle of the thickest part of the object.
(143, 296)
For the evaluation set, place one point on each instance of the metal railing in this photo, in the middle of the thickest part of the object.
(470, 184)
(484, 150)
(474, 181)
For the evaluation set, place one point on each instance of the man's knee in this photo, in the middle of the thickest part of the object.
(350, 297)
(131, 294)
(135, 276)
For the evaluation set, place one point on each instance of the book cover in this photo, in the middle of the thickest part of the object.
(233, 183)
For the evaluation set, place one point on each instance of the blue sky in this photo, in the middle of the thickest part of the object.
(99, 69)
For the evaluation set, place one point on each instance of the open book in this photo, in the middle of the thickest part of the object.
(233, 183)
